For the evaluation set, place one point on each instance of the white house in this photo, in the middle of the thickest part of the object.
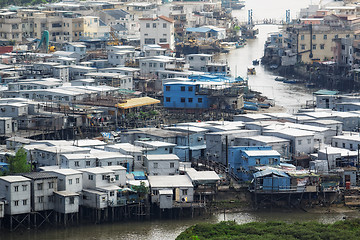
(68, 180)
(179, 188)
(66, 202)
(16, 190)
(301, 141)
(162, 164)
(119, 173)
(77, 161)
(94, 178)
(129, 149)
(157, 30)
(156, 147)
(43, 186)
(8, 125)
(350, 142)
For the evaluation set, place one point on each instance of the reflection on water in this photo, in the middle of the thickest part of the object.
(166, 229)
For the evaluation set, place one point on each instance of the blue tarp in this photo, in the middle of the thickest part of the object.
(138, 175)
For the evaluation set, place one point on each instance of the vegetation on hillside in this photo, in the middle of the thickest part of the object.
(348, 229)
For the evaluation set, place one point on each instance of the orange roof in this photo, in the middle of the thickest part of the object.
(167, 19)
(161, 17)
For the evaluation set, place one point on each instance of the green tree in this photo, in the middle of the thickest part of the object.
(18, 163)
(142, 190)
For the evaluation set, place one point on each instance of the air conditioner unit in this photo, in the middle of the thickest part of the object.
(200, 139)
(112, 180)
(216, 155)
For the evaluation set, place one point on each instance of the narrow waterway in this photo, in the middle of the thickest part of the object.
(289, 96)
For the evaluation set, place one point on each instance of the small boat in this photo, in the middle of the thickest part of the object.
(227, 46)
(251, 71)
(280, 79)
(274, 66)
(292, 81)
(239, 44)
(250, 107)
(255, 62)
(264, 105)
(310, 85)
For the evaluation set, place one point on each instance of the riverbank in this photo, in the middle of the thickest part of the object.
(348, 229)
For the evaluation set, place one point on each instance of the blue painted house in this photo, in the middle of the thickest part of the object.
(185, 95)
(243, 160)
(273, 180)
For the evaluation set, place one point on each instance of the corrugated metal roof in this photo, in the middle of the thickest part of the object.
(325, 92)
(137, 102)
(270, 172)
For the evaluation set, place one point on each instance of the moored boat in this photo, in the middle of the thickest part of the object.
(280, 79)
(251, 71)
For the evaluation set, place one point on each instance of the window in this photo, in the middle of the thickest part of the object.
(184, 192)
(25, 202)
(302, 37)
(302, 46)
(156, 165)
(171, 150)
(190, 89)
(77, 164)
(116, 177)
(155, 192)
(149, 40)
(314, 46)
(39, 186)
(336, 144)
(325, 36)
(314, 37)
(199, 100)
(183, 89)
(309, 141)
(109, 163)
(24, 187)
(168, 99)
(299, 142)
(77, 180)
(16, 203)
(257, 160)
(163, 40)
(167, 88)
(154, 25)
(271, 161)
(70, 181)
(182, 99)
(336, 36)
(41, 199)
(172, 165)
(91, 177)
(87, 163)
(190, 100)
(51, 185)
(164, 25)
(322, 46)
(111, 193)
(16, 188)
(148, 25)
(351, 146)
(71, 200)
(343, 145)
(103, 177)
